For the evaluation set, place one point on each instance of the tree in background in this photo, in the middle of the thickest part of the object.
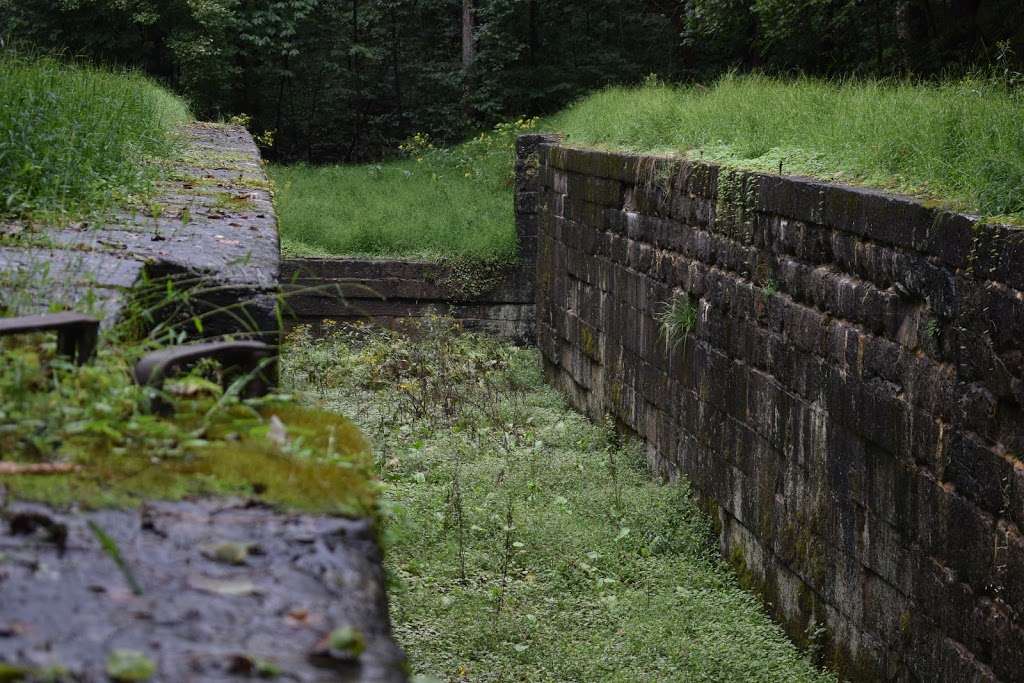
(842, 37)
(346, 80)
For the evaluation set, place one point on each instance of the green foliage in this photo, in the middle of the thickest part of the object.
(832, 37)
(958, 141)
(95, 418)
(677, 318)
(125, 666)
(441, 203)
(75, 138)
(524, 543)
(348, 641)
(346, 80)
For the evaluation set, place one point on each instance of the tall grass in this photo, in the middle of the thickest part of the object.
(440, 203)
(74, 137)
(961, 141)
(403, 208)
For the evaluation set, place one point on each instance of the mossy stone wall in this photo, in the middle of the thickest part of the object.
(850, 400)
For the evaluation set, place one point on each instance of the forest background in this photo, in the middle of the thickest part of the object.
(348, 80)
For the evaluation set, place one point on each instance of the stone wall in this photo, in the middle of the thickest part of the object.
(843, 388)
(497, 300)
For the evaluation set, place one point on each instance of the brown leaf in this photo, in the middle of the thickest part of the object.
(303, 617)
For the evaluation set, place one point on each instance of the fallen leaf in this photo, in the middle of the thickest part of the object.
(303, 617)
(226, 552)
(341, 646)
(13, 630)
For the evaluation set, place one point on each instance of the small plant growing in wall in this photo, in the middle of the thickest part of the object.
(677, 319)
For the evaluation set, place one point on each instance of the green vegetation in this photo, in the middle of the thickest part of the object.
(677, 319)
(523, 542)
(960, 141)
(440, 203)
(92, 428)
(346, 81)
(75, 138)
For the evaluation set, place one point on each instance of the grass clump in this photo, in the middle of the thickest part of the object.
(959, 141)
(438, 203)
(523, 542)
(75, 138)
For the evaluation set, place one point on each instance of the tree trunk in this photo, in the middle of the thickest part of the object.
(468, 46)
(534, 31)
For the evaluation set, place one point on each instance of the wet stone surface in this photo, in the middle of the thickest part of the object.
(226, 591)
(211, 219)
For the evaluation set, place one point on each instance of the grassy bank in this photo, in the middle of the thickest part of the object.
(523, 542)
(439, 203)
(960, 143)
(402, 208)
(75, 138)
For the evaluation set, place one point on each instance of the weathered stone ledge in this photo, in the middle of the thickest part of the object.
(210, 225)
(194, 612)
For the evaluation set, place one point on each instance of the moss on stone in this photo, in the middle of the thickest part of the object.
(325, 466)
(587, 342)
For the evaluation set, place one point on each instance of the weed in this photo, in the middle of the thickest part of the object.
(97, 418)
(677, 319)
(233, 203)
(524, 543)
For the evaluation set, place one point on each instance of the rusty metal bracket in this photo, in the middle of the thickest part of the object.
(77, 334)
(249, 357)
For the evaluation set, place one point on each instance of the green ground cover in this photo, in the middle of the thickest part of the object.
(94, 433)
(522, 541)
(74, 139)
(438, 203)
(960, 143)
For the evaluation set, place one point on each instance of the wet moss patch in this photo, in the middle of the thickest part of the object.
(323, 464)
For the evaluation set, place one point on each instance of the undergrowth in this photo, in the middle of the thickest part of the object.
(523, 542)
(75, 138)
